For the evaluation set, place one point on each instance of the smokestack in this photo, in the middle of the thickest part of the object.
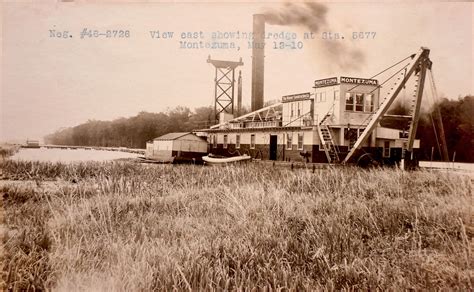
(258, 55)
(239, 94)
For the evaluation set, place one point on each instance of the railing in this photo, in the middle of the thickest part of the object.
(120, 149)
(244, 125)
(328, 114)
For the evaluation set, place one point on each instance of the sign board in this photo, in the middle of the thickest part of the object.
(325, 82)
(295, 97)
(360, 81)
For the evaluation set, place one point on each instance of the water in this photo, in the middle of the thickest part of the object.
(69, 155)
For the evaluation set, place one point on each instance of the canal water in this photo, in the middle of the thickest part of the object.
(69, 155)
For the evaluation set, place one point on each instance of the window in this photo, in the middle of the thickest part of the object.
(237, 141)
(289, 141)
(369, 103)
(349, 101)
(225, 141)
(300, 141)
(386, 149)
(214, 142)
(299, 109)
(252, 141)
(322, 97)
(291, 112)
(359, 106)
(355, 102)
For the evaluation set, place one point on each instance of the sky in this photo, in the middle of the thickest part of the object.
(54, 82)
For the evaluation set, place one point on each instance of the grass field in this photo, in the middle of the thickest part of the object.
(128, 227)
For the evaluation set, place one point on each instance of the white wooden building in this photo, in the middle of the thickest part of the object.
(175, 147)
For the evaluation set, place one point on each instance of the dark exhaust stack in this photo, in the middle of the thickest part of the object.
(258, 55)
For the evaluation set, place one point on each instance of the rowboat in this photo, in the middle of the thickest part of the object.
(213, 160)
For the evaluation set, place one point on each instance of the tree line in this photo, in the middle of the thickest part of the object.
(134, 132)
(458, 120)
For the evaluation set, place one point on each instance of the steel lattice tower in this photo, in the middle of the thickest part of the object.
(224, 86)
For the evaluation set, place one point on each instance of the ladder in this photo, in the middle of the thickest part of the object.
(328, 143)
(351, 143)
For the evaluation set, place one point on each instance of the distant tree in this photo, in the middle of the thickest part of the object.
(135, 131)
(458, 123)
(270, 102)
(203, 117)
(245, 110)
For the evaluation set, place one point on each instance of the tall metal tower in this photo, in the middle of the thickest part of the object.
(224, 86)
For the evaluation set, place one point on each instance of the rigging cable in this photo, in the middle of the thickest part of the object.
(445, 154)
(436, 134)
(386, 80)
(411, 56)
(432, 120)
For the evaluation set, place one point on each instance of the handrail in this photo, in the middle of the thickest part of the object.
(328, 113)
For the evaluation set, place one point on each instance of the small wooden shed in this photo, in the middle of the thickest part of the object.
(177, 147)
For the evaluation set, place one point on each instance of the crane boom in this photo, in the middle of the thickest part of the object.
(418, 64)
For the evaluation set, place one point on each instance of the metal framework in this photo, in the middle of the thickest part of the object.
(224, 86)
(264, 114)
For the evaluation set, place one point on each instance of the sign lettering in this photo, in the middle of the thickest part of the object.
(360, 81)
(295, 97)
(325, 82)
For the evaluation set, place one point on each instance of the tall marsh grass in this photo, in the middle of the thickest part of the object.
(125, 227)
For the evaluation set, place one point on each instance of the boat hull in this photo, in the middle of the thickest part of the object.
(224, 160)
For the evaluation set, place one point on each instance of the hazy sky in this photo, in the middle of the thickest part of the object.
(49, 82)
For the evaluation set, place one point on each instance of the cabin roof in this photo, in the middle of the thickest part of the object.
(172, 136)
(178, 135)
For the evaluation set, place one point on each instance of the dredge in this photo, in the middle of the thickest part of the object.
(340, 121)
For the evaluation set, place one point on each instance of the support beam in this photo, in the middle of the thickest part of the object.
(416, 113)
(239, 94)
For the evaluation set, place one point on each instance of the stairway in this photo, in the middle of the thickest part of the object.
(327, 143)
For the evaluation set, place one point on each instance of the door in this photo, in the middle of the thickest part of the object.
(273, 147)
